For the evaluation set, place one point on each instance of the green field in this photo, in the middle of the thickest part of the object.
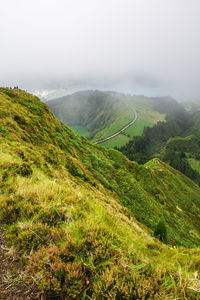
(195, 164)
(147, 116)
(145, 110)
(134, 130)
(138, 127)
(81, 130)
(119, 141)
(124, 118)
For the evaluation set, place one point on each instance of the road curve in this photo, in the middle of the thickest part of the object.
(121, 130)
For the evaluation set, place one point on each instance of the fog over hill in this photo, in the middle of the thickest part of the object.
(143, 47)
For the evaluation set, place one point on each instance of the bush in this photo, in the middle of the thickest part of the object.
(20, 120)
(16, 207)
(160, 231)
(75, 170)
(34, 106)
(27, 237)
(93, 268)
(52, 156)
(24, 170)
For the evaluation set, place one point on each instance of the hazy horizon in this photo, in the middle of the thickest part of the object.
(135, 46)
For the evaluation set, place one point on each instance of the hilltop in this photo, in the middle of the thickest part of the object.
(80, 217)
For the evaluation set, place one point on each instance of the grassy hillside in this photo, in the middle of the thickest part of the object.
(97, 115)
(196, 118)
(80, 217)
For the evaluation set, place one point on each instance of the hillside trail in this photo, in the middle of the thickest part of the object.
(11, 271)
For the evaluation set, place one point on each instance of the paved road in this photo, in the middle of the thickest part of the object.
(121, 130)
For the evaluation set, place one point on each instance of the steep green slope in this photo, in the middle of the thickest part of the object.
(69, 208)
(104, 113)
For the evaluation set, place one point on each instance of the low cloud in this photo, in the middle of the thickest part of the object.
(143, 46)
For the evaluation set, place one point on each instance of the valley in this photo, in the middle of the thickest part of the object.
(102, 114)
(105, 116)
(175, 141)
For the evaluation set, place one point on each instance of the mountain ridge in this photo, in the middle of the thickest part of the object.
(74, 211)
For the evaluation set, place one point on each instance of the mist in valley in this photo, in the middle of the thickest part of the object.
(132, 46)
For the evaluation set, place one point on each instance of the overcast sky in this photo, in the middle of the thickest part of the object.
(154, 44)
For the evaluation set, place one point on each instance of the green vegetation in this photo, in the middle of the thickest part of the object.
(179, 161)
(97, 115)
(117, 124)
(196, 118)
(175, 141)
(195, 164)
(160, 231)
(119, 140)
(82, 217)
(137, 128)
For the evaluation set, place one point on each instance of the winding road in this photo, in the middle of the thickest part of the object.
(121, 130)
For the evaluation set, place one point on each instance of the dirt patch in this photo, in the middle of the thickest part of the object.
(12, 286)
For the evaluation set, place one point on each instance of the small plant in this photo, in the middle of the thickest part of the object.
(3, 129)
(55, 210)
(26, 236)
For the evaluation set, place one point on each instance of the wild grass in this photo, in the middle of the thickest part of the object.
(77, 228)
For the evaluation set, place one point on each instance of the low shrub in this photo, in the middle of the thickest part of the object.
(24, 170)
(75, 170)
(51, 217)
(94, 268)
(15, 207)
(27, 237)
(160, 231)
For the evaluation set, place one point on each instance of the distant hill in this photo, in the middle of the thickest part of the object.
(80, 219)
(97, 114)
(175, 141)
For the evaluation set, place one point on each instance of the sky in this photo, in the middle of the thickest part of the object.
(138, 46)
